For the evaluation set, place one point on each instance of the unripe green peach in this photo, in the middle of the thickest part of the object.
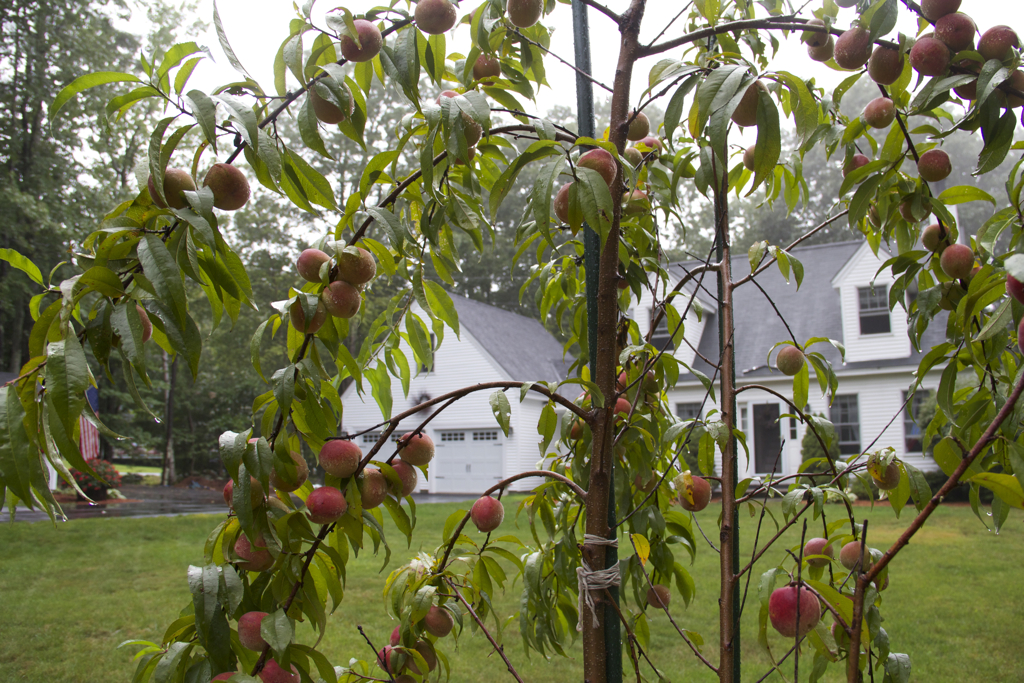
(340, 458)
(886, 479)
(254, 558)
(789, 619)
(849, 556)
(356, 267)
(880, 112)
(818, 546)
(745, 113)
(934, 165)
(326, 505)
(373, 487)
(694, 492)
(634, 156)
(249, 631)
(562, 203)
(147, 324)
(659, 596)
(486, 66)
(370, 39)
(935, 238)
(853, 48)
(748, 157)
(176, 182)
(996, 42)
(290, 481)
(408, 476)
(328, 111)
(639, 127)
(930, 57)
(601, 161)
(487, 514)
(885, 65)
(956, 31)
(416, 449)
(435, 16)
(309, 262)
(341, 299)
(438, 622)
(790, 360)
(298, 318)
(525, 13)
(229, 185)
(957, 260)
(933, 10)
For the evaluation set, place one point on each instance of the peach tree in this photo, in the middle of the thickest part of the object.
(613, 468)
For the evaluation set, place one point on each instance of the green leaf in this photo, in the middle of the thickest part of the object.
(501, 409)
(961, 194)
(84, 83)
(160, 268)
(22, 263)
(278, 630)
(1006, 486)
(222, 36)
(441, 304)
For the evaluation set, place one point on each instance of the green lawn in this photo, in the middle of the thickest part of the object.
(72, 594)
(138, 469)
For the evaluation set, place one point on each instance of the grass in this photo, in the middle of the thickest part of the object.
(71, 594)
(138, 469)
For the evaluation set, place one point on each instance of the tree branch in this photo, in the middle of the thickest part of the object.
(497, 648)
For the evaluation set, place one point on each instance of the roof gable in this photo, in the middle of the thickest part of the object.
(852, 264)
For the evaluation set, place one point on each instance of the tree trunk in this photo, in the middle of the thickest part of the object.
(167, 477)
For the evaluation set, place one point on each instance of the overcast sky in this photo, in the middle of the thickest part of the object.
(257, 27)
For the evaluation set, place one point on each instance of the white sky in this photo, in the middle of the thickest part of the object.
(257, 27)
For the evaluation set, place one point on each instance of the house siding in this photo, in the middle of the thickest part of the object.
(860, 272)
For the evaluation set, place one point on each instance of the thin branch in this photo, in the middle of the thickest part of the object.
(604, 10)
(568, 64)
(777, 311)
(761, 267)
(497, 648)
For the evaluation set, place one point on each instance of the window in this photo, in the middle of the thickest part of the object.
(453, 436)
(792, 428)
(874, 310)
(371, 437)
(743, 419)
(846, 419)
(688, 411)
(486, 436)
(914, 421)
(662, 337)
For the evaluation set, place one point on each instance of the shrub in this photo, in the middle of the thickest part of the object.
(92, 488)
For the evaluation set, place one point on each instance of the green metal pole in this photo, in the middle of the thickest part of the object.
(591, 261)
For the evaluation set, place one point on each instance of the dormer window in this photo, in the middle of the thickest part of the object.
(874, 309)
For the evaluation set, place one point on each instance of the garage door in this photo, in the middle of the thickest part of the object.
(467, 460)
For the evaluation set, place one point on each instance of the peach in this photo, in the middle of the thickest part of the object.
(636, 202)
(309, 262)
(880, 112)
(249, 631)
(253, 558)
(957, 260)
(176, 181)
(855, 162)
(1015, 288)
(996, 42)
(849, 556)
(695, 494)
(426, 650)
(438, 622)
(934, 165)
(748, 157)
(601, 161)
(885, 65)
(888, 479)
(790, 360)
(298, 318)
(396, 636)
(487, 514)
(340, 458)
(408, 476)
(853, 48)
(224, 676)
(815, 38)
(326, 505)
(933, 10)
(929, 57)
(1020, 335)
(639, 127)
(634, 156)
(147, 324)
(435, 16)
(273, 673)
(525, 13)
(327, 111)
(255, 492)
(356, 267)
(647, 486)
(659, 596)
(623, 406)
(284, 480)
(818, 546)
(968, 91)
(486, 66)
(373, 487)
(370, 42)
(416, 449)
(576, 431)
(561, 205)
(956, 31)
(229, 186)
(745, 113)
(341, 299)
(653, 146)
(822, 53)
(787, 617)
(935, 238)
(1015, 81)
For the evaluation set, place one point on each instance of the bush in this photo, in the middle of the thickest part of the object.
(95, 489)
(132, 479)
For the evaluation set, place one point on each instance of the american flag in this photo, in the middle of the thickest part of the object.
(89, 436)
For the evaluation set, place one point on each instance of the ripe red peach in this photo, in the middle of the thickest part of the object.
(822, 53)
(562, 203)
(818, 546)
(290, 481)
(487, 513)
(636, 202)
(698, 490)
(524, 13)
(880, 113)
(957, 260)
(255, 558)
(255, 492)
(249, 631)
(408, 476)
(853, 49)
(356, 268)
(486, 66)
(934, 165)
(601, 161)
(327, 111)
(341, 299)
(416, 449)
(815, 38)
(790, 360)
(298, 318)
(229, 186)
(933, 10)
(1020, 335)
(273, 673)
(789, 619)
(326, 505)
(1015, 288)
(930, 57)
(849, 556)
(956, 31)
(438, 622)
(340, 458)
(885, 65)
(435, 16)
(373, 487)
(370, 41)
(309, 262)
(855, 162)
(996, 42)
(935, 238)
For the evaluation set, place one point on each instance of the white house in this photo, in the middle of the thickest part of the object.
(841, 298)
(472, 452)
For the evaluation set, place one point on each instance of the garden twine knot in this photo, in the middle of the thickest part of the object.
(595, 580)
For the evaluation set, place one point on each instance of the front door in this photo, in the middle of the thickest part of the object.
(767, 438)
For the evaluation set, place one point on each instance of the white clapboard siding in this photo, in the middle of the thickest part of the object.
(860, 271)
(693, 328)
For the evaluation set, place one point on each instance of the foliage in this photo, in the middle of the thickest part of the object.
(423, 206)
(96, 487)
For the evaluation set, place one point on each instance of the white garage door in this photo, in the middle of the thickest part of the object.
(467, 460)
